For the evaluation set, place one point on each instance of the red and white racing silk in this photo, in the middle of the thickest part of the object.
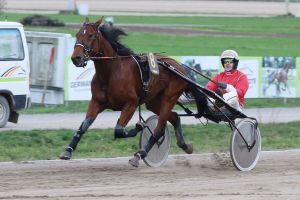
(235, 78)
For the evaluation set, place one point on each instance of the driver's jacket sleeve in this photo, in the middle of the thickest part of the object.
(235, 78)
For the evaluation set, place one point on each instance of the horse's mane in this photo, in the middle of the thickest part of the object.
(113, 36)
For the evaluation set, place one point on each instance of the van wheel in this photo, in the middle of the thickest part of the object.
(4, 111)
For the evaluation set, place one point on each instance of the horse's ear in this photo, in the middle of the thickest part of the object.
(87, 20)
(99, 21)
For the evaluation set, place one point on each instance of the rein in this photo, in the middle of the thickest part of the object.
(108, 57)
(116, 57)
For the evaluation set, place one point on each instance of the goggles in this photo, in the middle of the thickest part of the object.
(227, 61)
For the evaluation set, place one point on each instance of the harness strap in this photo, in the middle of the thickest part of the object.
(145, 78)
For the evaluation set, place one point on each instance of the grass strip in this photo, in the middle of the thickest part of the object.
(48, 144)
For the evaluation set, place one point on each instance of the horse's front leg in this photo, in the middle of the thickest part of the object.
(126, 115)
(278, 90)
(286, 87)
(94, 108)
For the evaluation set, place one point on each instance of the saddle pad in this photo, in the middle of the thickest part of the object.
(152, 63)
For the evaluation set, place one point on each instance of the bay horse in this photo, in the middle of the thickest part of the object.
(117, 85)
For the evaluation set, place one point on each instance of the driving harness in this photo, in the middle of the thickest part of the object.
(148, 66)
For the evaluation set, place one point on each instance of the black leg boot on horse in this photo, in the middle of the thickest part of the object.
(188, 148)
(201, 103)
(67, 154)
(121, 132)
(142, 153)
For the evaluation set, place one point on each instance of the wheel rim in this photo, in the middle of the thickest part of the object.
(243, 159)
(160, 150)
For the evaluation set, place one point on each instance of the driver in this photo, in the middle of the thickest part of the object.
(231, 84)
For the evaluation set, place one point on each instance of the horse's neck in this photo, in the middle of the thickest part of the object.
(106, 48)
(104, 66)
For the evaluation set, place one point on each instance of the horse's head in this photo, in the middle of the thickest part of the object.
(87, 43)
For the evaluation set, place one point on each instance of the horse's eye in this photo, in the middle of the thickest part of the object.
(91, 36)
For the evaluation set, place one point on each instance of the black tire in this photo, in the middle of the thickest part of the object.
(242, 158)
(4, 111)
(160, 151)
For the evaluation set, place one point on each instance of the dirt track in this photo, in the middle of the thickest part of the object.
(207, 176)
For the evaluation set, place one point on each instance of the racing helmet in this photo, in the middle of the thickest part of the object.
(230, 54)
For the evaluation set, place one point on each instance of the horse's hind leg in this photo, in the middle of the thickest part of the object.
(165, 113)
(93, 110)
(174, 119)
(286, 87)
(201, 102)
(188, 148)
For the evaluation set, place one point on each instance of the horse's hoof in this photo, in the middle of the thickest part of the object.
(189, 149)
(118, 135)
(66, 155)
(134, 161)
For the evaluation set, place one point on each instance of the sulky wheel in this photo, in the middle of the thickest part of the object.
(245, 156)
(160, 150)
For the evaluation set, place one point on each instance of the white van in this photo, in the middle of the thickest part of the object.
(14, 72)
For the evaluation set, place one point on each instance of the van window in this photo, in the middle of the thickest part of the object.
(11, 46)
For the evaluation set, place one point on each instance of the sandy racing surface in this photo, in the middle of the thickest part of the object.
(202, 176)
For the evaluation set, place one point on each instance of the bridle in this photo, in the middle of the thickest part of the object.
(86, 49)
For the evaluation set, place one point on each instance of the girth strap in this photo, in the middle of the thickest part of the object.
(144, 73)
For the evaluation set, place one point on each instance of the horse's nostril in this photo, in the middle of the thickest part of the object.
(76, 59)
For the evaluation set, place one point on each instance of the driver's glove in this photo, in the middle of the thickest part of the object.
(222, 85)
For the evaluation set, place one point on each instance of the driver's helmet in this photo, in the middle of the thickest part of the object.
(232, 55)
